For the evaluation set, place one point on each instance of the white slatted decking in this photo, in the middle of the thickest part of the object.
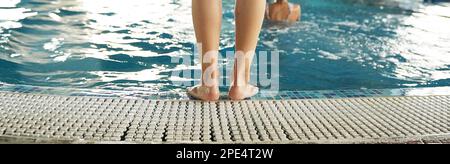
(47, 118)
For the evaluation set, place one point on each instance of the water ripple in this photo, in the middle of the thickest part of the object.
(120, 45)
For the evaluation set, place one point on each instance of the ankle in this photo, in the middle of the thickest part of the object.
(240, 80)
(210, 79)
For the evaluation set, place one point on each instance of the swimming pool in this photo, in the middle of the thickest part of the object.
(130, 45)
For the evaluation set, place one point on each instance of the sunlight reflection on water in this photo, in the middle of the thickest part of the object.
(116, 44)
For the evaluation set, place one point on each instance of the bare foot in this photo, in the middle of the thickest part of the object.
(204, 93)
(242, 92)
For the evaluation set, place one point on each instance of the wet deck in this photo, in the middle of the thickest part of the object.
(38, 118)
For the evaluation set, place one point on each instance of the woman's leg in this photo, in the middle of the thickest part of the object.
(249, 19)
(207, 17)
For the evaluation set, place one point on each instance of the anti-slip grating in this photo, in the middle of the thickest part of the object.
(255, 121)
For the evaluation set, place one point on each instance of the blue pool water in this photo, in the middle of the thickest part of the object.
(129, 45)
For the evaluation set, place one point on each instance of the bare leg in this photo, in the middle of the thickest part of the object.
(249, 19)
(207, 17)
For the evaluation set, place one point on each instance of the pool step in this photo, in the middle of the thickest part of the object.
(348, 120)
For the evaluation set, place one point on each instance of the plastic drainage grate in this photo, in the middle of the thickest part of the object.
(253, 121)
